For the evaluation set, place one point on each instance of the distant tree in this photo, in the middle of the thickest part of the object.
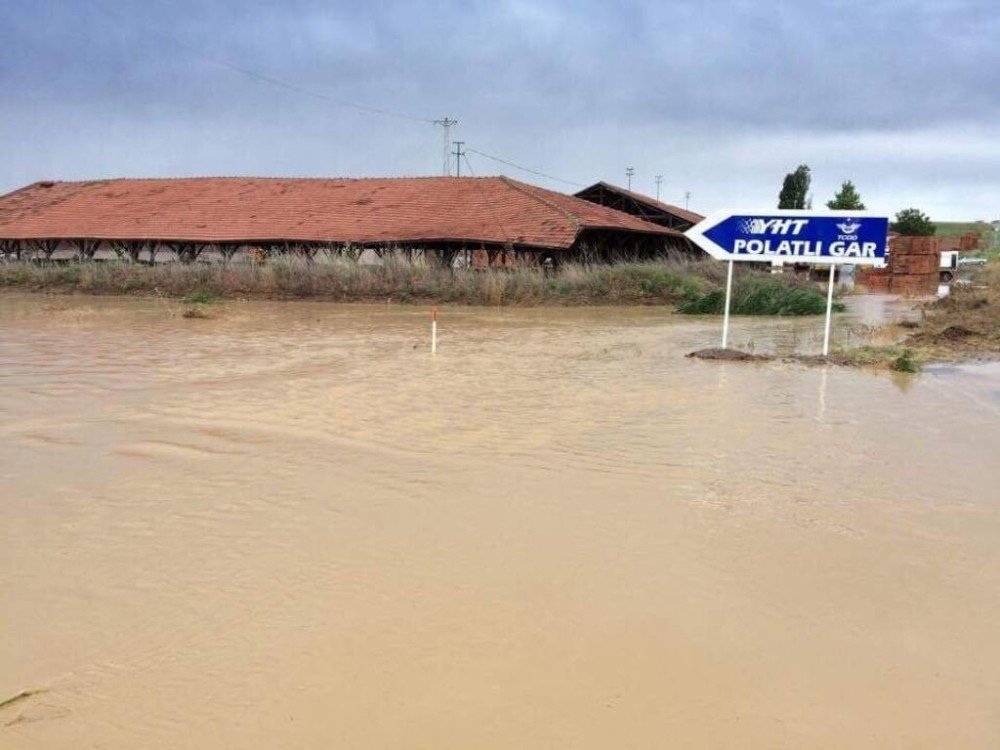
(912, 222)
(848, 199)
(795, 189)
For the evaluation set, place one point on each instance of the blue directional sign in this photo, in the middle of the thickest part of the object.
(828, 237)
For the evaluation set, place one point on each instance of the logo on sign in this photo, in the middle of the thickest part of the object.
(851, 226)
(772, 226)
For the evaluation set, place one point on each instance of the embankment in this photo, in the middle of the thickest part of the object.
(695, 288)
(963, 326)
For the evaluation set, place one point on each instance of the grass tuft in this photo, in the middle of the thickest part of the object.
(905, 362)
(201, 297)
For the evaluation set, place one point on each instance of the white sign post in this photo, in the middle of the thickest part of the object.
(829, 309)
(830, 238)
(729, 294)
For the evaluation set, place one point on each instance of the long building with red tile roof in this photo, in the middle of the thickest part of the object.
(439, 213)
(642, 206)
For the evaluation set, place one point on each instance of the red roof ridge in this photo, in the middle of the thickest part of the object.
(23, 189)
(528, 190)
(496, 215)
(48, 183)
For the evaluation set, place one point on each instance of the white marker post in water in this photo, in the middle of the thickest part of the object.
(830, 238)
(729, 294)
(829, 310)
(434, 331)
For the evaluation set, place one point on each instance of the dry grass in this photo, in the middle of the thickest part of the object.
(962, 327)
(966, 323)
(696, 284)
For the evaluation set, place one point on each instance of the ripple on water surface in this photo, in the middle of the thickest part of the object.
(267, 528)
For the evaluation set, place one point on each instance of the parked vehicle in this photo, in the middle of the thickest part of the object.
(972, 261)
(949, 265)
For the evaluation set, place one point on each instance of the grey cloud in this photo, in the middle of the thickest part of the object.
(574, 88)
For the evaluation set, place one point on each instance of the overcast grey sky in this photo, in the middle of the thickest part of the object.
(721, 98)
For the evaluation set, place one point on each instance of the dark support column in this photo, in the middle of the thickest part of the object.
(187, 252)
(86, 249)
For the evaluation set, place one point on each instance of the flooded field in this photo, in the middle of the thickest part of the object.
(291, 527)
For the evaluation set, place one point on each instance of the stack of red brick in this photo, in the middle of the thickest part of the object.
(969, 242)
(913, 268)
(965, 243)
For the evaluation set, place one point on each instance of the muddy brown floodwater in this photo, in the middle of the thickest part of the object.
(290, 527)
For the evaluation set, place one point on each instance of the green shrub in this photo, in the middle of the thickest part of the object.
(200, 297)
(905, 362)
(759, 294)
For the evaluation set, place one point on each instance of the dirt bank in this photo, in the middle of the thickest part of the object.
(695, 287)
(964, 326)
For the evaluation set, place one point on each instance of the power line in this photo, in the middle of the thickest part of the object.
(447, 123)
(523, 169)
(281, 83)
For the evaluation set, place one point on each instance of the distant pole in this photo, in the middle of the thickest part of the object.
(629, 171)
(434, 331)
(829, 309)
(729, 295)
(446, 124)
(659, 181)
(687, 199)
(458, 154)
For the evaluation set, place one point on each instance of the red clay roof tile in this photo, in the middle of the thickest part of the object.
(363, 211)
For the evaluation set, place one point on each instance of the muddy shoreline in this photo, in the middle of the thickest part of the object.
(694, 287)
(878, 359)
(962, 327)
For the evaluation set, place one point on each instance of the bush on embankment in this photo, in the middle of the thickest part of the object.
(759, 294)
(696, 287)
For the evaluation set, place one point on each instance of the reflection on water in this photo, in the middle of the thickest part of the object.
(290, 526)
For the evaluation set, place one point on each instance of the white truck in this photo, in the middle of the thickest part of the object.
(949, 265)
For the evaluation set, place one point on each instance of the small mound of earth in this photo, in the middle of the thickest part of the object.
(730, 355)
(953, 333)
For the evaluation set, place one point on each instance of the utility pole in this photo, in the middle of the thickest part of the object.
(629, 171)
(447, 124)
(687, 199)
(458, 153)
(659, 181)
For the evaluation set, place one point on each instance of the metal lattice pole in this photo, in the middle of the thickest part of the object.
(446, 124)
